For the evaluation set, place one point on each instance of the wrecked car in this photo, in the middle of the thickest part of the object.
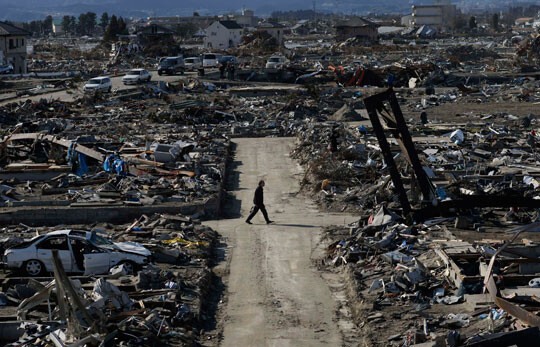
(80, 252)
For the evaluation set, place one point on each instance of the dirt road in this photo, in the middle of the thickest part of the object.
(275, 297)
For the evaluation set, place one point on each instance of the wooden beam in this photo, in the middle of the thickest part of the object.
(373, 104)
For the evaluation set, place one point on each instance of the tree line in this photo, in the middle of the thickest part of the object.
(84, 24)
(40, 27)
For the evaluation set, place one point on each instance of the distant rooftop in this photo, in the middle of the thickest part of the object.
(356, 22)
(8, 29)
(230, 24)
(270, 25)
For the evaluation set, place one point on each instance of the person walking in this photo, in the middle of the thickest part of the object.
(221, 70)
(258, 202)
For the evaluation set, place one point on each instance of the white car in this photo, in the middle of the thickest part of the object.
(211, 59)
(103, 84)
(275, 62)
(137, 76)
(192, 63)
(79, 251)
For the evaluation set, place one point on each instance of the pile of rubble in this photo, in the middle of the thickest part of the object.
(414, 262)
(161, 300)
(469, 53)
(75, 161)
(423, 286)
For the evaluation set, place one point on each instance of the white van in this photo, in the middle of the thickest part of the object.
(211, 59)
(275, 62)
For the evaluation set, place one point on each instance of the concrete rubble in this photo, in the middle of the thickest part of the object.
(431, 140)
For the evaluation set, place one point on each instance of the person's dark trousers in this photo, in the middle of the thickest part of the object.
(255, 210)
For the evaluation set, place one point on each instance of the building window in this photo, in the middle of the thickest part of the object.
(11, 46)
(22, 42)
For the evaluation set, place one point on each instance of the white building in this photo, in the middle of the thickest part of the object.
(440, 15)
(13, 42)
(246, 19)
(407, 20)
(223, 34)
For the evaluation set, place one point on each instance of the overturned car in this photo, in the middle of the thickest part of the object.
(86, 252)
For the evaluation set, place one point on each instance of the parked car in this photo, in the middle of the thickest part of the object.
(228, 59)
(171, 66)
(192, 63)
(103, 84)
(211, 59)
(275, 62)
(79, 251)
(137, 76)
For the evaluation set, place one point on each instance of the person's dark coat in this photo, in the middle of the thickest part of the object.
(258, 198)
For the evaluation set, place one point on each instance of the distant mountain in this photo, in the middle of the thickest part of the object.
(24, 10)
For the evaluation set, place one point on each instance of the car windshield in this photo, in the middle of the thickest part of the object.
(94, 81)
(191, 61)
(134, 72)
(101, 241)
(167, 62)
(274, 60)
(209, 56)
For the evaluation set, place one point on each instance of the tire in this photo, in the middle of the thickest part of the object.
(33, 267)
(109, 90)
(130, 266)
(159, 73)
(181, 71)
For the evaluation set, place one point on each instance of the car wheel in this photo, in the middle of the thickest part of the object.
(129, 266)
(109, 90)
(33, 267)
(159, 73)
(181, 71)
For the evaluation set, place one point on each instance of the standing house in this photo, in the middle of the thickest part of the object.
(357, 28)
(223, 34)
(154, 31)
(275, 30)
(300, 28)
(13, 47)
